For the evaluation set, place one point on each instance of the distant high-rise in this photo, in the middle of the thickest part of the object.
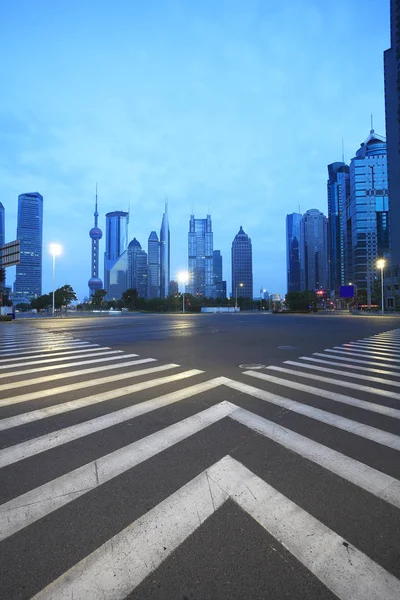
(338, 188)
(200, 258)
(367, 225)
(242, 265)
(153, 253)
(314, 251)
(116, 244)
(293, 222)
(95, 235)
(2, 225)
(392, 105)
(220, 285)
(165, 251)
(137, 268)
(28, 281)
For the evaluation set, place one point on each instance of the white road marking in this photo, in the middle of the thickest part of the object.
(375, 344)
(346, 373)
(377, 348)
(365, 431)
(48, 441)
(346, 384)
(65, 350)
(117, 567)
(35, 504)
(78, 373)
(364, 355)
(357, 360)
(63, 389)
(32, 360)
(375, 352)
(349, 366)
(41, 345)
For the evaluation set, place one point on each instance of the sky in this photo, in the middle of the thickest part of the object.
(228, 107)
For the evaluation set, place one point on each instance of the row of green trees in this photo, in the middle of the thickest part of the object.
(63, 296)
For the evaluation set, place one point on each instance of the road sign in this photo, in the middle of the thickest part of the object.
(10, 254)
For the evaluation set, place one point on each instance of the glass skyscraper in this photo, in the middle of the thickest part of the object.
(293, 222)
(200, 258)
(137, 268)
(242, 265)
(368, 211)
(220, 285)
(116, 244)
(28, 281)
(314, 251)
(338, 189)
(2, 225)
(153, 253)
(165, 252)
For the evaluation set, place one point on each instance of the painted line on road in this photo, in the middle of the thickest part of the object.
(350, 366)
(347, 384)
(118, 566)
(345, 374)
(363, 355)
(32, 360)
(357, 360)
(378, 348)
(79, 372)
(61, 350)
(63, 389)
(34, 446)
(365, 431)
(376, 344)
(376, 352)
(56, 344)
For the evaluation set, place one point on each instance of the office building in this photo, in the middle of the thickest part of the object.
(314, 251)
(116, 245)
(220, 285)
(242, 266)
(200, 258)
(153, 254)
(95, 235)
(338, 190)
(165, 252)
(137, 268)
(28, 281)
(2, 225)
(293, 222)
(367, 227)
(392, 106)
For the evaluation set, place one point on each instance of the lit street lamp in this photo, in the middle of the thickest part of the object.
(55, 250)
(261, 293)
(238, 285)
(380, 265)
(183, 278)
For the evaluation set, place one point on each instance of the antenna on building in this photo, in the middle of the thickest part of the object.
(372, 123)
(166, 204)
(96, 214)
(342, 150)
(299, 210)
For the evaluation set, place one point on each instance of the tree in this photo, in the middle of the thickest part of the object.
(63, 296)
(42, 302)
(97, 298)
(301, 301)
(130, 297)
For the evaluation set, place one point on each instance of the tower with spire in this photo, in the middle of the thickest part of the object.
(95, 234)
(164, 254)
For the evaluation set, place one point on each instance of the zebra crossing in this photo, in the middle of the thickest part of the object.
(73, 436)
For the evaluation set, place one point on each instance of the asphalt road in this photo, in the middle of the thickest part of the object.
(245, 456)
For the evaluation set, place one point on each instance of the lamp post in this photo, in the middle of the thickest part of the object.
(183, 278)
(380, 265)
(238, 285)
(261, 294)
(55, 250)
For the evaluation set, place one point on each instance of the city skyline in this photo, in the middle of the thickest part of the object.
(224, 130)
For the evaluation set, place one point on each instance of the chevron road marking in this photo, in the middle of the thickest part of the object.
(45, 379)
(32, 359)
(51, 440)
(349, 373)
(20, 512)
(366, 431)
(60, 350)
(63, 389)
(357, 360)
(118, 566)
(348, 365)
(346, 384)
(363, 355)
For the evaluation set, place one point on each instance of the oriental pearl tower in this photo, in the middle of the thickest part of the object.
(95, 234)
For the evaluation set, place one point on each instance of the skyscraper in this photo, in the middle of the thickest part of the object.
(220, 285)
(293, 222)
(137, 268)
(95, 235)
(338, 188)
(242, 265)
(28, 281)
(2, 225)
(116, 244)
(153, 253)
(368, 211)
(200, 258)
(314, 251)
(392, 105)
(164, 254)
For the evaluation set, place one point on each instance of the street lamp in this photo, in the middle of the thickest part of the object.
(183, 278)
(55, 250)
(380, 265)
(261, 293)
(238, 285)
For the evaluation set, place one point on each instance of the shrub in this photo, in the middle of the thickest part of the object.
(6, 318)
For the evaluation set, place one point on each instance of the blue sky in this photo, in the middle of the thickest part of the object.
(229, 106)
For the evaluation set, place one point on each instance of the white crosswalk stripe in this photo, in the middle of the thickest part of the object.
(116, 567)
